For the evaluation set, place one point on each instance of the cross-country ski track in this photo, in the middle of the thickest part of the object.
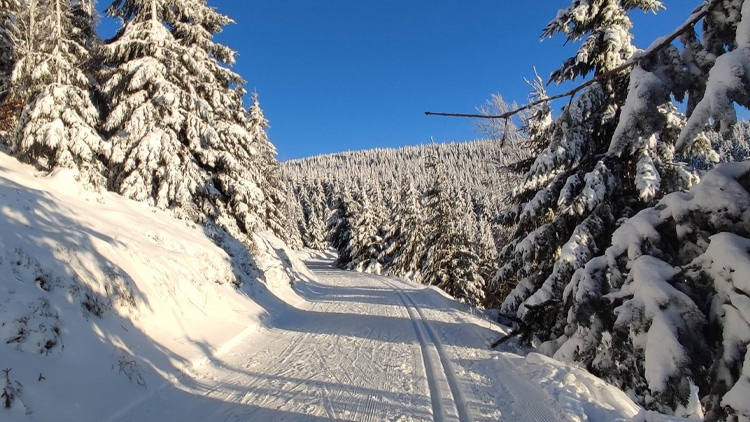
(359, 348)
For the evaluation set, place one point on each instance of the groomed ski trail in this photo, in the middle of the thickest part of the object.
(363, 348)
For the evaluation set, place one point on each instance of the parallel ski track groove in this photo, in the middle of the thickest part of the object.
(438, 411)
(520, 389)
(450, 374)
(422, 327)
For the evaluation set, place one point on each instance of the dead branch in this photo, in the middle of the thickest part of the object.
(657, 46)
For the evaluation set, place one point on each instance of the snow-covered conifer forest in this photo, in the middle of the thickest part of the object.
(158, 262)
(422, 212)
(154, 114)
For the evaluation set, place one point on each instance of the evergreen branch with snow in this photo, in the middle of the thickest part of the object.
(653, 49)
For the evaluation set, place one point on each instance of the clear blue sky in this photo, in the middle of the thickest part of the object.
(336, 75)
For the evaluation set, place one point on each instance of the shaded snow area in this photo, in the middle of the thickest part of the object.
(112, 311)
(103, 299)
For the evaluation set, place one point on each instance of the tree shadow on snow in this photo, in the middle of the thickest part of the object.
(347, 311)
(40, 221)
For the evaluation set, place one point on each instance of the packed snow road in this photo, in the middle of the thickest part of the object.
(361, 348)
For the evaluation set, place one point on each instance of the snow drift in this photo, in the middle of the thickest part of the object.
(101, 297)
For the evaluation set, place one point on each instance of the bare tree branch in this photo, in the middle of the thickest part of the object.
(657, 46)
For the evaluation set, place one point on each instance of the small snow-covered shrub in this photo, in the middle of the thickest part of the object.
(93, 305)
(12, 390)
(38, 330)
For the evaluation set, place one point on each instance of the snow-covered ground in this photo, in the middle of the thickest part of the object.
(103, 299)
(370, 348)
(112, 311)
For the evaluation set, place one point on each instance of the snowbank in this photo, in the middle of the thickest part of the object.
(579, 396)
(102, 298)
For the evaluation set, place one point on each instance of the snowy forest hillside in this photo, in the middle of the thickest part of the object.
(404, 211)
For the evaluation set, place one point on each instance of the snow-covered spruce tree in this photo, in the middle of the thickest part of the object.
(449, 261)
(339, 226)
(735, 148)
(365, 242)
(150, 160)
(8, 109)
(313, 207)
(179, 130)
(665, 309)
(8, 14)
(486, 247)
(621, 302)
(292, 219)
(520, 147)
(234, 157)
(577, 188)
(404, 241)
(567, 184)
(268, 170)
(57, 127)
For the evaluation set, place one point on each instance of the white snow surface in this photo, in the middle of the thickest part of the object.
(113, 311)
(163, 289)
